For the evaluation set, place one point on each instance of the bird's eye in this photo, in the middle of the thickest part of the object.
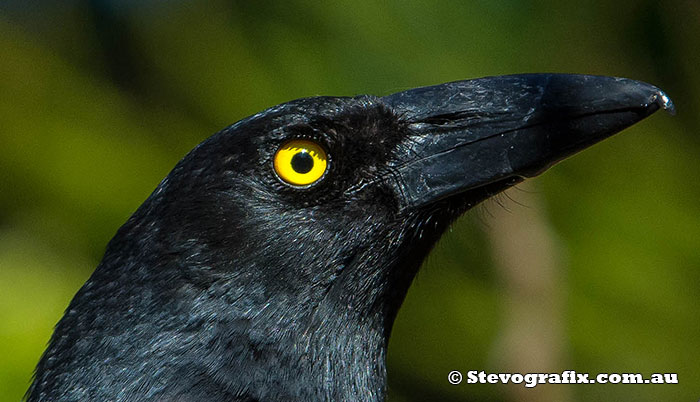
(300, 162)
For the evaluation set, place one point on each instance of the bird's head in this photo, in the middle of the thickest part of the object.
(331, 203)
(306, 223)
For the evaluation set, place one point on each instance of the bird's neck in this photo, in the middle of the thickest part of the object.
(334, 353)
(171, 325)
(333, 348)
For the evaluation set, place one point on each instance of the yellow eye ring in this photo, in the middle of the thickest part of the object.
(300, 162)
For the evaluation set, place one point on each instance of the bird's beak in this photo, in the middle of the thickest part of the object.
(469, 134)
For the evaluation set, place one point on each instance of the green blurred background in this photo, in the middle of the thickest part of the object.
(591, 267)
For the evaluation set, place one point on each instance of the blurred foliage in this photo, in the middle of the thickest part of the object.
(101, 98)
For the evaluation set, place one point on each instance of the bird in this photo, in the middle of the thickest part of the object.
(271, 262)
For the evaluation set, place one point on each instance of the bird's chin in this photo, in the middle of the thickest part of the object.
(436, 217)
(463, 201)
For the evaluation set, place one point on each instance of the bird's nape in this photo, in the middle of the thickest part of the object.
(271, 262)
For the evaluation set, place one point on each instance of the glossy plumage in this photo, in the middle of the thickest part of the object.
(230, 284)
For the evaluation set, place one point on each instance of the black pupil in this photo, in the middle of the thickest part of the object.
(302, 162)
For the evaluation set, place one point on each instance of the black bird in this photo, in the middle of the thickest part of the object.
(269, 265)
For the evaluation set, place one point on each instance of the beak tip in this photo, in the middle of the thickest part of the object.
(663, 101)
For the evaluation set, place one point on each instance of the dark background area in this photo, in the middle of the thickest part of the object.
(592, 267)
